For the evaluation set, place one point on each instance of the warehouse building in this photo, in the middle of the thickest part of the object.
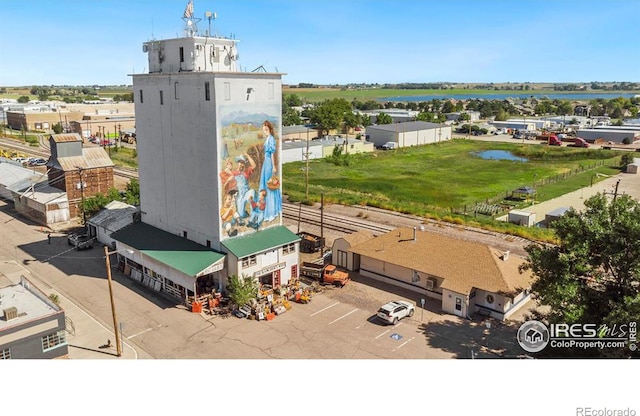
(411, 133)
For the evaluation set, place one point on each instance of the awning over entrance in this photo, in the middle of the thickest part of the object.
(184, 255)
(260, 241)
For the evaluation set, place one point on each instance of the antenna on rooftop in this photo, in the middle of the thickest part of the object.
(209, 17)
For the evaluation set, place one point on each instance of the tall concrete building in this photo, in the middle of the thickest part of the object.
(208, 138)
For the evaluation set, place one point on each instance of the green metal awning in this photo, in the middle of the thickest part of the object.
(184, 255)
(260, 241)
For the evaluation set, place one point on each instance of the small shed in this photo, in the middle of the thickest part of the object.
(634, 167)
(113, 217)
(554, 215)
(524, 218)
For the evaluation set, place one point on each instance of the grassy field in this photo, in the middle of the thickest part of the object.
(442, 179)
(123, 156)
(321, 94)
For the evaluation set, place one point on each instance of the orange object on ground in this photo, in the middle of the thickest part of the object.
(196, 307)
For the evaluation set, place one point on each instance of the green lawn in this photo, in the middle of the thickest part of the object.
(447, 177)
(321, 94)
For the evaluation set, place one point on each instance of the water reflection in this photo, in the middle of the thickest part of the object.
(500, 155)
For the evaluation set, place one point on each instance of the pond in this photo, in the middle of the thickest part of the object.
(500, 155)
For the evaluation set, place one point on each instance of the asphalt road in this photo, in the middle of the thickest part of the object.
(336, 324)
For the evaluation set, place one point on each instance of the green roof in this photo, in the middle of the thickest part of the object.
(183, 255)
(260, 241)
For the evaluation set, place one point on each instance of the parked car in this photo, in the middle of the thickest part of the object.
(37, 162)
(392, 312)
(80, 241)
(389, 146)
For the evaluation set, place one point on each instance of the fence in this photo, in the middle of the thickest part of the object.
(501, 204)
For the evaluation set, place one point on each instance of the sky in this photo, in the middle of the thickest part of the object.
(81, 42)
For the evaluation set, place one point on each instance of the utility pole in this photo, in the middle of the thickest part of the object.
(113, 306)
(306, 171)
(84, 214)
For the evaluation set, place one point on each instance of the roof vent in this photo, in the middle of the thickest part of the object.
(10, 313)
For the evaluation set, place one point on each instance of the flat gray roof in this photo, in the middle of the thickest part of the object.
(29, 302)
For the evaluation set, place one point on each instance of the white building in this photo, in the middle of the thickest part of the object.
(209, 154)
(411, 133)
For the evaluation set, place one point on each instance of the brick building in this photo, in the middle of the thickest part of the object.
(80, 172)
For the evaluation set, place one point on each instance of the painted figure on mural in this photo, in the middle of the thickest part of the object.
(241, 176)
(257, 213)
(227, 180)
(229, 216)
(269, 174)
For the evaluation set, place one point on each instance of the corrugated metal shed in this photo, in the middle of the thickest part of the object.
(114, 216)
(92, 157)
(66, 137)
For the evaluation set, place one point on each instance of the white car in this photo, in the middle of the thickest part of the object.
(392, 312)
(389, 146)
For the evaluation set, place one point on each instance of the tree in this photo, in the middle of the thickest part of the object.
(593, 274)
(448, 107)
(23, 99)
(292, 100)
(132, 192)
(290, 117)
(384, 118)
(330, 114)
(242, 290)
(464, 117)
(57, 128)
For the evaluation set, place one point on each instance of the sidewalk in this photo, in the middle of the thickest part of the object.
(87, 338)
(628, 184)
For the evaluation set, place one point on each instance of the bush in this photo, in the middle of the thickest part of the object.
(626, 159)
(242, 290)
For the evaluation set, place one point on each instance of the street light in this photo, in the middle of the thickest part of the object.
(107, 260)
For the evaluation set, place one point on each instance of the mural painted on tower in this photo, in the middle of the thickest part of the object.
(250, 182)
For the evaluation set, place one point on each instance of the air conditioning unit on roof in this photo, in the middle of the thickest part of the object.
(10, 313)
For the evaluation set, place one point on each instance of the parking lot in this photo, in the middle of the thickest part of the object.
(336, 324)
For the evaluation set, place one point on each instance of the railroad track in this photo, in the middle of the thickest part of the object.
(333, 222)
(125, 172)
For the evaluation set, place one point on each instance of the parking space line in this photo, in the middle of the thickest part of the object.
(343, 316)
(322, 310)
(142, 332)
(382, 334)
(403, 344)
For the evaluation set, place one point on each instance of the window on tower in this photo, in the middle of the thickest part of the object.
(207, 91)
